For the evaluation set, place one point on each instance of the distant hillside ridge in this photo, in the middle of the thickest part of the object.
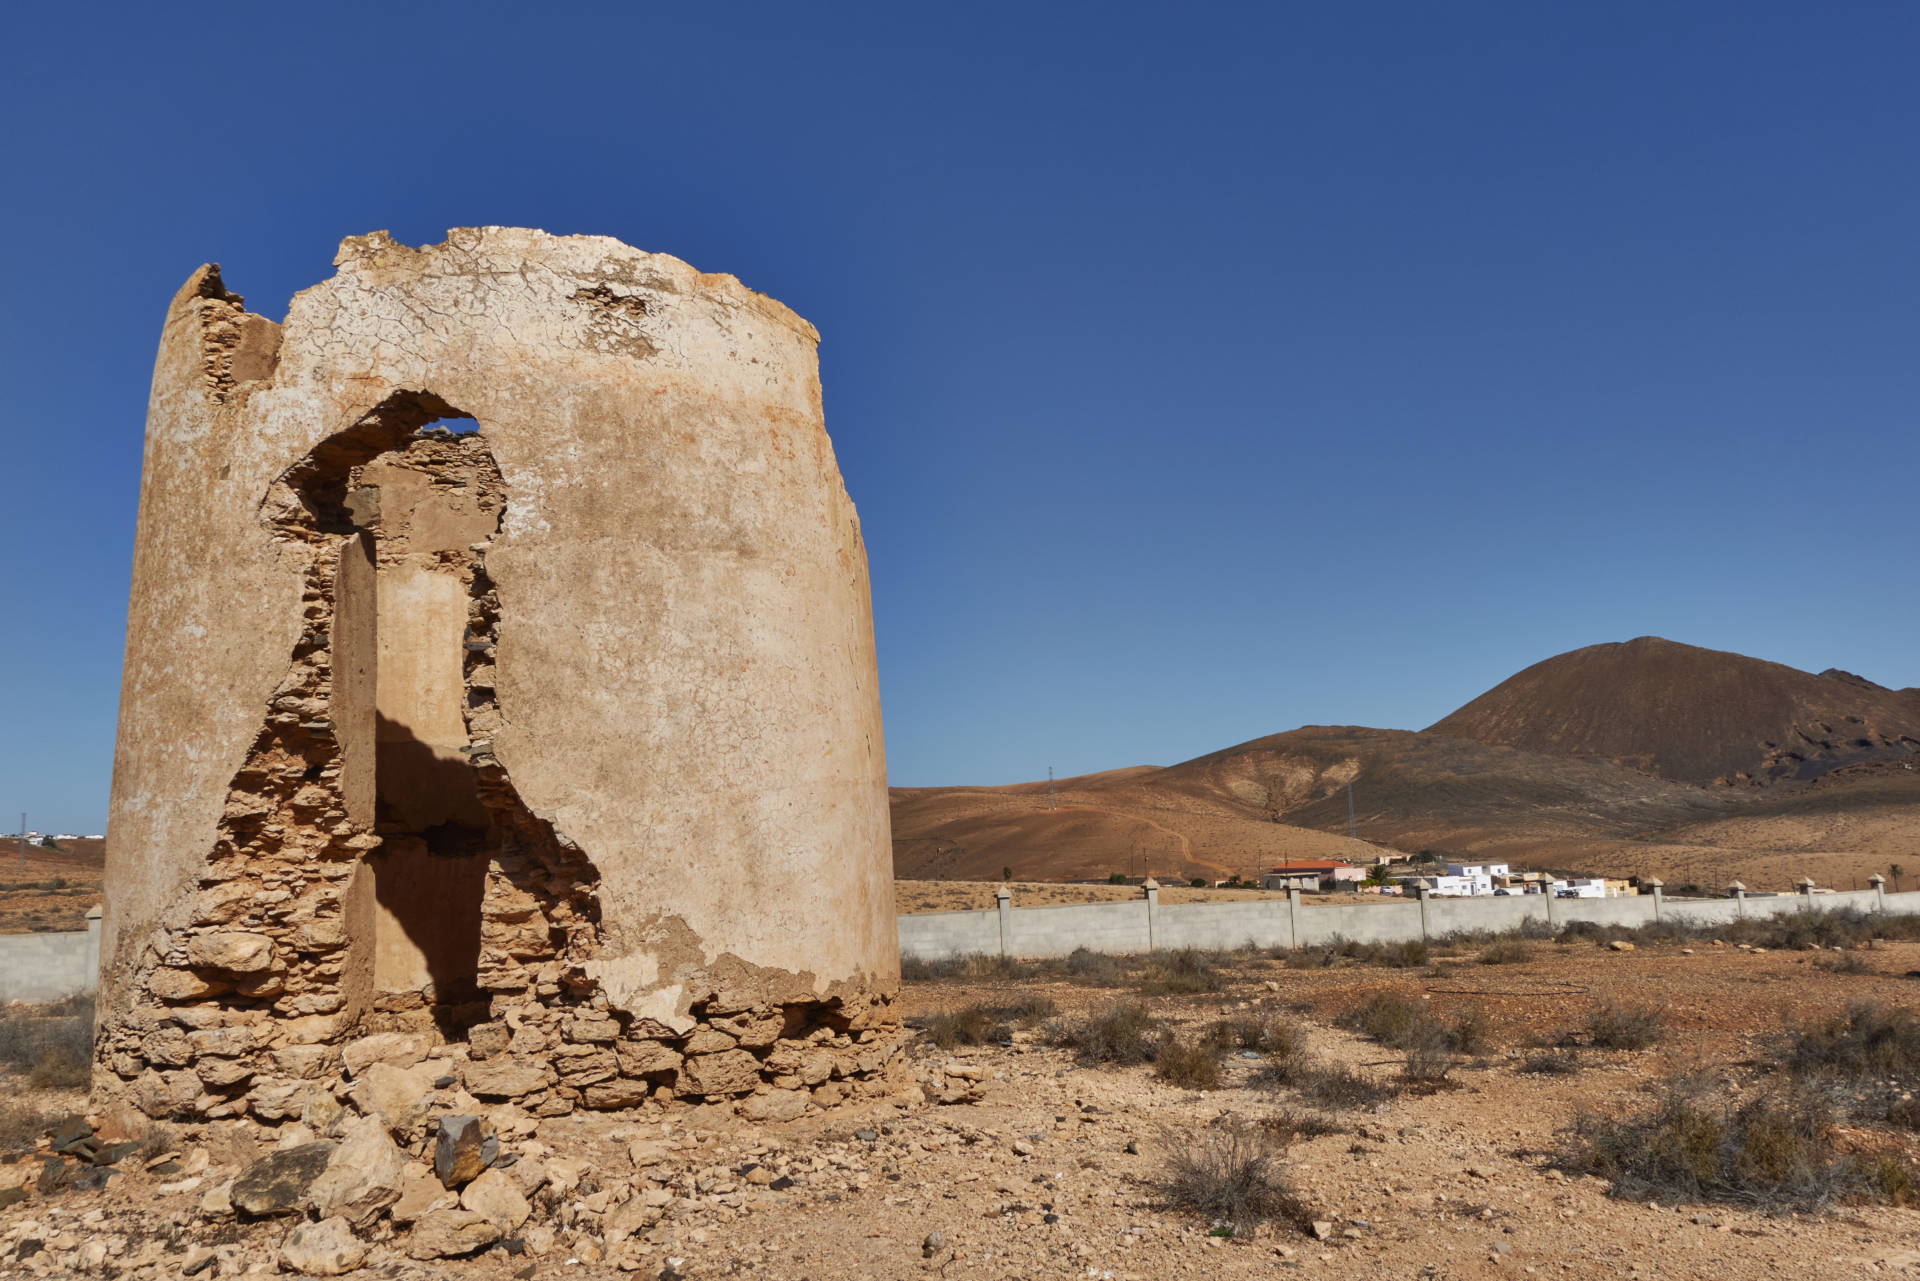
(1693, 715)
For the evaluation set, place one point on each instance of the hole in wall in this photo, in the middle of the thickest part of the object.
(467, 894)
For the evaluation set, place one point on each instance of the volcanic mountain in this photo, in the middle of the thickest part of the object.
(1693, 715)
(1615, 766)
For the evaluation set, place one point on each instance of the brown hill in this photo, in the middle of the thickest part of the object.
(1284, 797)
(1693, 715)
(1124, 820)
(1633, 737)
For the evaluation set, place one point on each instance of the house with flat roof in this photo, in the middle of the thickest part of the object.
(1312, 875)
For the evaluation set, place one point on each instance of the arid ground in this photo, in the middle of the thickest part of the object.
(49, 890)
(1021, 1156)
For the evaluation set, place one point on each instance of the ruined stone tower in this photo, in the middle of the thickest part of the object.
(555, 741)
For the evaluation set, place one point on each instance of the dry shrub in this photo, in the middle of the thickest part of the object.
(1467, 1034)
(984, 1024)
(1866, 1042)
(977, 967)
(915, 969)
(1773, 1150)
(1391, 1019)
(1233, 1177)
(1506, 952)
(999, 969)
(1904, 1114)
(1340, 1087)
(1186, 971)
(51, 1045)
(1257, 1032)
(1562, 1062)
(1290, 1125)
(1409, 955)
(1121, 1032)
(1427, 1067)
(1406, 1024)
(1095, 969)
(1619, 1027)
(1029, 1010)
(974, 1025)
(1789, 931)
(22, 1125)
(1847, 963)
(1324, 1084)
(1191, 1065)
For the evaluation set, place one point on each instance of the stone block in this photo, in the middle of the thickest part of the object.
(505, 1078)
(363, 1174)
(231, 952)
(280, 1182)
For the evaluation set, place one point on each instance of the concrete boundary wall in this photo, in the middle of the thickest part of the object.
(1145, 925)
(46, 967)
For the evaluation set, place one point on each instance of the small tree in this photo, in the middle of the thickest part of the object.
(1116, 878)
(1006, 874)
(1896, 872)
(1377, 874)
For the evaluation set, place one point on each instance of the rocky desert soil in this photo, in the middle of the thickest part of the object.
(49, 889)
(1010, 1159)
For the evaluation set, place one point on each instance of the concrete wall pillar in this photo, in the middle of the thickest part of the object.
(1655, 885)
(1879, 884)
(1426, 935)
(1293, 916)
(1150, 889)
(1805, 886)
(1738, 893)
(1003, 898)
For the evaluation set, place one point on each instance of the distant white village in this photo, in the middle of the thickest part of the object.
(44, 838)
(1456, 880)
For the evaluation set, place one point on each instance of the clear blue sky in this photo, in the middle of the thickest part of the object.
(1199, 371)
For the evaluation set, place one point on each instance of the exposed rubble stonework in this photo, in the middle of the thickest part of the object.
(555, 742)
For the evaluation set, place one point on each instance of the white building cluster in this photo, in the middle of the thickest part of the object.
(1466, 880)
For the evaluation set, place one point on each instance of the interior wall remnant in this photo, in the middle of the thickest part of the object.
(597, 604)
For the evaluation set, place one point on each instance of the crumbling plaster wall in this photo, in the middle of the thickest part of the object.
(684, 666)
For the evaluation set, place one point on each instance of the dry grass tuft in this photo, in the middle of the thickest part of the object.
(1510, 951)
(1620, 1027)
(1121, 1032)
(1257, 1032)
(1772, 1151)
(50, 1045)
(1410, 955)
(1185, 972)
(1562, 1062)
(1866, 1042)
(1290, 1125)
(1191, 1065)
(22, 1125)
(1233, 1177)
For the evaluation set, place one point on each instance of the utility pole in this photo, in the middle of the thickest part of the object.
(1352, 832)
(23, 841)
(1050, 804)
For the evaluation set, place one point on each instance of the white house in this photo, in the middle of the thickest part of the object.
(1483, 875)
(1448, 886)
(1581, 887)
